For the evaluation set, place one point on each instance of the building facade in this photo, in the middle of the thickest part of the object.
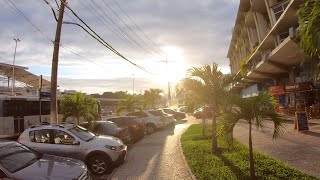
(264, 43)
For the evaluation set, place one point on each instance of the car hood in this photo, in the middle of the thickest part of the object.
(52, 167)
(106, 140)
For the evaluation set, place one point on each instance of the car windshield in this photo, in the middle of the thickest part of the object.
(14, 157)
(82, 133)
(168, 111)
(156, 113)
(137, 120)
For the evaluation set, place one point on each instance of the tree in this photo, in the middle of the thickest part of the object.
(255, 110)
(78, 105)
(309, 32)
(152, 96)
(127, 104)
(190, 90)
(212, 86)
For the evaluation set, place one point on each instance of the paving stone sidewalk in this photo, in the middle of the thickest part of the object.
(299, 150)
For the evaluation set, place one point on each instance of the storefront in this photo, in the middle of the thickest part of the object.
(279, 94)
(303, 92)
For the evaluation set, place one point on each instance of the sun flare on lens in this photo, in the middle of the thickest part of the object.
(175, 69)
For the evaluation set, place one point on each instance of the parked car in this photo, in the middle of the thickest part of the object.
(183, 109)
(203, 112)
(151, 121)
(99, 153)
(176, 115)
(109, 128)
(134, 124)
(168, 118)
(20, 162)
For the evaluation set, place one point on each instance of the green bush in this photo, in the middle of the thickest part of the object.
(231, 164)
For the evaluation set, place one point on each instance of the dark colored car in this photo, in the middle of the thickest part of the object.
(176, 115)
(19, 162)
(135, 125)
(109, 128)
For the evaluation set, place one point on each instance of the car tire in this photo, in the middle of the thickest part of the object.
(150, 128)
(99, 164)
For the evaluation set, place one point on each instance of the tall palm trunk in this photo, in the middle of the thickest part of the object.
(214, 145)
(252, 170)
(203, 124)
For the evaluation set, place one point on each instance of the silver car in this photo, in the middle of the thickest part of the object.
(20, 162)
(151, 118)
(100, 153)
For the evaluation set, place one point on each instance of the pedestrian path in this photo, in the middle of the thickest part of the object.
(299, 150)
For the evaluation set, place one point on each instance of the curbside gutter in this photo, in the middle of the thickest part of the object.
(184, 158)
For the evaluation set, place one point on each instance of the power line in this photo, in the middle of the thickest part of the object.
(114, 30)
(128, 26)
(102, 41)
(120, 28)
(13, 6)
(139, 28)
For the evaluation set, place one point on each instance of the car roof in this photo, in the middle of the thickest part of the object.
(48, 126)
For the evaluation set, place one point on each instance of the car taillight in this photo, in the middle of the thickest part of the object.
(135, 126)
(18, 139)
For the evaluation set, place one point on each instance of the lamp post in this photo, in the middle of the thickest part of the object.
(14, 61)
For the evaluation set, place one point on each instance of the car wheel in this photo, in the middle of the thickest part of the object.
(151, 128)
(99, 164)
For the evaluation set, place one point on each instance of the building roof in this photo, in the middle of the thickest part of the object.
(21, 74)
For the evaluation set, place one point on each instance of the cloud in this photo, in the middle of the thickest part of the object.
(201, 29)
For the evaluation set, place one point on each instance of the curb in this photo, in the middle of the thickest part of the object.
(184, 158)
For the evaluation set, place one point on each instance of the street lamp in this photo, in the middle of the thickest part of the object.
(14, 60)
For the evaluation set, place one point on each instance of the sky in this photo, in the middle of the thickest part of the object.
(186, 33)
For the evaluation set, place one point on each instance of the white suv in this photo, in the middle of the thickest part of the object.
(152, 119)
(100, 153)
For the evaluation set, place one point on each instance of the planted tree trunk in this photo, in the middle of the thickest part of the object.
(214, 145)
(252, 170)
(203, 127)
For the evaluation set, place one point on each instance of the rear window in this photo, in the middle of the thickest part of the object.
(15, 157)
(40, 136)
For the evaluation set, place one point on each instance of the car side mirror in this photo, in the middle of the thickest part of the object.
(76, 143)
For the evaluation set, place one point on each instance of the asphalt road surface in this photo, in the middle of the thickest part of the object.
(157, 156)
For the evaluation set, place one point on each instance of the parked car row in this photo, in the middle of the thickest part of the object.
(68, 151)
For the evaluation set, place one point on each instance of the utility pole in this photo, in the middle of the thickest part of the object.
(54, 70)
(13, 64)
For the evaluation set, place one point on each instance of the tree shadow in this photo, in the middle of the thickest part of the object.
(181, 121)
(237, 171)
(311, 133)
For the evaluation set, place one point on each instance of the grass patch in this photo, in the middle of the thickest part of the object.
(231, 164)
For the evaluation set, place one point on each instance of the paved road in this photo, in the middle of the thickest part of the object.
(300, 150)
(157, 156)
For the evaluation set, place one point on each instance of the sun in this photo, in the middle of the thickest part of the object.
(175, 69)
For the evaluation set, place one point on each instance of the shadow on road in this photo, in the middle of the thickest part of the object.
(181, 121)
(311, 133)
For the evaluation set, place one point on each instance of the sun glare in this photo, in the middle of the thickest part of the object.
(175, 69)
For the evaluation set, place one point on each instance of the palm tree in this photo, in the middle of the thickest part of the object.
(190, 90)
(78, 105)
(211, 87)
(309, 31)
(255, 110)
(127, 104)
(152, 96)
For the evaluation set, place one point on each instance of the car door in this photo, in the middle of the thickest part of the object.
(41, 140)
(63, 145)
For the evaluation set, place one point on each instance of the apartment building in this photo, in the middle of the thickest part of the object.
(264, 41)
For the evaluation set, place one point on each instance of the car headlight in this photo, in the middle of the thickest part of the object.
(114, 148)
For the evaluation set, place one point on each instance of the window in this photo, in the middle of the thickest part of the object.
(279, 9)
(61, 137)
(82, 133)
(138, 114)
(14, 157)
(40, 136)
(283, 36)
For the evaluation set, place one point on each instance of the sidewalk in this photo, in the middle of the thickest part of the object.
(299, 150)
